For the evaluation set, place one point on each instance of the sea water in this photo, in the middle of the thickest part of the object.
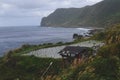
(14, 37)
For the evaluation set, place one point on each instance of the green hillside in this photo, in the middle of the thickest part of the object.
(101, 14)
(104, 66)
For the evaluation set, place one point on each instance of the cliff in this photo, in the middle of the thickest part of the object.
(102, 14)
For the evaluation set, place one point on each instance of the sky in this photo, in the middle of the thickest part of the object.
(30, 12)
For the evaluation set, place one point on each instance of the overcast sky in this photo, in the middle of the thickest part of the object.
(30, 12)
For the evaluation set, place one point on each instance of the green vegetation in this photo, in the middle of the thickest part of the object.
(99, 36)
(27, 67)
(102, 14)
(104, 66)
(110, 35)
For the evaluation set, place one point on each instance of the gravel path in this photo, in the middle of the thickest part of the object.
(53, 51)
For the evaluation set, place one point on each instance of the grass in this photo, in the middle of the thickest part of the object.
(27, 67)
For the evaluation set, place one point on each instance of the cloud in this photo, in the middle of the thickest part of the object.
(37, 8)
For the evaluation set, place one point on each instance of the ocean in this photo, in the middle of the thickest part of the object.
(14, 37)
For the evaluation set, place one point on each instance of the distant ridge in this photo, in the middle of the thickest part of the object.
(102, 14)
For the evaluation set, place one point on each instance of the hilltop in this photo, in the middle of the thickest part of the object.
(102, 14)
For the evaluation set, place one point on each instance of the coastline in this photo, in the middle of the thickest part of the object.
(73, 27)
(18, 36)
(53, 41)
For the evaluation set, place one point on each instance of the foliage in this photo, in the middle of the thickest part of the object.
(27, 67)
(99, 36)
(104, 66)
(110, 50)
(113, 34)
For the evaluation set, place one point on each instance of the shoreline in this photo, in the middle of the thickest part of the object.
(73, 27)
(53, 44)
(16, 37)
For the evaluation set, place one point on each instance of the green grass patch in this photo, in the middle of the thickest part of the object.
(27, 67)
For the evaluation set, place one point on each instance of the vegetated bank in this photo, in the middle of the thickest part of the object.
(104, 66)
(15, 66)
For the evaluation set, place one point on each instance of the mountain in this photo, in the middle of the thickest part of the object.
(102, 14)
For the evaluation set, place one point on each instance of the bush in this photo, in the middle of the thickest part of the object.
(28, 67)
(100, 36)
